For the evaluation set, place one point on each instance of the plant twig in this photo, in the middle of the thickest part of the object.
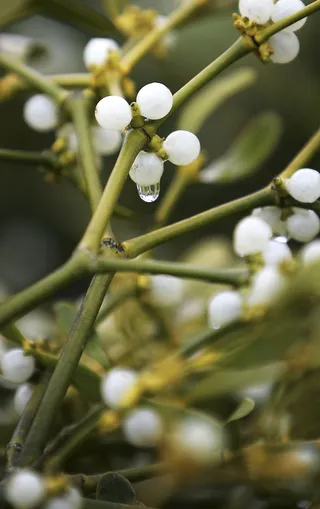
(16, 444)
(134, 141)
(79, 107)
(88, 483)
(306, 153)
(263, 35)
(146, 44)
(24, 301)
(34, 78)
(45, 158)
(66, 366)
(138, 245)
(69, 439)
(184, 270)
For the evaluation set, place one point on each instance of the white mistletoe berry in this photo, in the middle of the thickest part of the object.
(259, 11)
(284, 8)
(113, 113)
(22, 397)
(24, 489)
(115, 384)
(276, 253)
(251, 236)
(142, 427)
(285, 46)
(97, 51)
(106, 142)
(166, 291)
(224, 308)
(272, 216)
(147, 169)
(182, 147)
(304, 185)
(310, 252)
(267, 283)
(303, 225)
(154, 100)
(40, 113)
(199, 439)
(17, 367)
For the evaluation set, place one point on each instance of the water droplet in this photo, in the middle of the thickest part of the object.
(149, 193)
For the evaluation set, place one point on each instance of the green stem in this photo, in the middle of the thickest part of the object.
(34, 78)
(239, 49)
(74, 80)
(305, 154)
(88, 483)
(66, 366)
(16, 444)
(69, 439)
(19, 304)
(80, 112)
(263, 35)
(147, 43)
(138, 245)
(33, 158)
(117, 298)
(183, 270)
(134, 141)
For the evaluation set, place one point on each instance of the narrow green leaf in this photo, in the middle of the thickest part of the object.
(245, 408)
(65, 316)
(205, 102)
(220, 382)
(248, 151)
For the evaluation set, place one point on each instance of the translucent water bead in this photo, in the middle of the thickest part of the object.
(304, 185)
(303, 225)
(146, 172)
(142, 427)
(40, 113)
(199, 439)
(285, 46)
(251, 236)
(310, 252)
(267, 283)
(272, 216)
(24, 489)
(224, 308)
(97, 51)
(113, 113)
(115, 384)
(256, 10)
(154, 100)
(284, 8)
(17, 367)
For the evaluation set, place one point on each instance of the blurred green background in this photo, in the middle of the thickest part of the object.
(40, 224)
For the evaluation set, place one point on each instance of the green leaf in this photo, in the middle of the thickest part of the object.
(205, 102)
(65, 316)
(245, 408)
(248, 151)
(220, 382)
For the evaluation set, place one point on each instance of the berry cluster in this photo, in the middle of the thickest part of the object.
(285, 44)
(253, 236)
